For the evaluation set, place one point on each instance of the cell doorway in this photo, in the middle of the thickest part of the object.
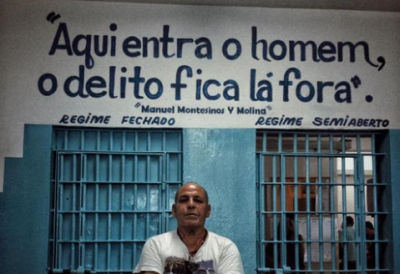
(319, 198)
(112, 189)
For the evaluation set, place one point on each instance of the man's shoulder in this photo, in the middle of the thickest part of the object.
(219, 238)
(351, 228)
(163, 236)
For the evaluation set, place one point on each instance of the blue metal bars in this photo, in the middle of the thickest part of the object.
(112, 190)
(314, 201)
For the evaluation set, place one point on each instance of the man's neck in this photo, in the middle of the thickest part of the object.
(192, 238)
(197, 232)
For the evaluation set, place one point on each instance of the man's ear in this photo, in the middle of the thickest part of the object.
(208, 211)
(173, 210)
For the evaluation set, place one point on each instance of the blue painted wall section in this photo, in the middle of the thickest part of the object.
(223, 161)
(24, 205)
(390, 167)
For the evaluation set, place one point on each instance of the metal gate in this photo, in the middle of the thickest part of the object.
(311, 187)
(112, 189)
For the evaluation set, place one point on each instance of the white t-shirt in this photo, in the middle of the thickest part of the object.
(351, 246)
(167, 254)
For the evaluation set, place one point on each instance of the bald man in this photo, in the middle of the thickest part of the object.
(190, 248)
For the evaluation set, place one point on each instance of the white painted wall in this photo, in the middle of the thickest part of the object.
(27, 38)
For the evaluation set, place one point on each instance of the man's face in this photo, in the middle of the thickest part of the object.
(370, 232)
(191, 207)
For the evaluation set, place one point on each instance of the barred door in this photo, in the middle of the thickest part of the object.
(112, 190)
(316, 192)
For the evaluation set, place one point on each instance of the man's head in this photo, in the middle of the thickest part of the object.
(349, 221)
(191, 208)
(370, 228)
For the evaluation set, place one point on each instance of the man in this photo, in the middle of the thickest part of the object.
(190, 248)
(290, 248)
(370, 246)
(348, 234)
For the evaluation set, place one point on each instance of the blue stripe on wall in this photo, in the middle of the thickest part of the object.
(390, 170)
(24, 214)
(223, 161)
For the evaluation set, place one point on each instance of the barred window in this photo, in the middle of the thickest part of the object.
(112, 189)
(317, 194)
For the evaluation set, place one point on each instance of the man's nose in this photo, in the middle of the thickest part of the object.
(190, 203)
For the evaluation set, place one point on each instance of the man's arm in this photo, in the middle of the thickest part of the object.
(231, 261)
(150, 261)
